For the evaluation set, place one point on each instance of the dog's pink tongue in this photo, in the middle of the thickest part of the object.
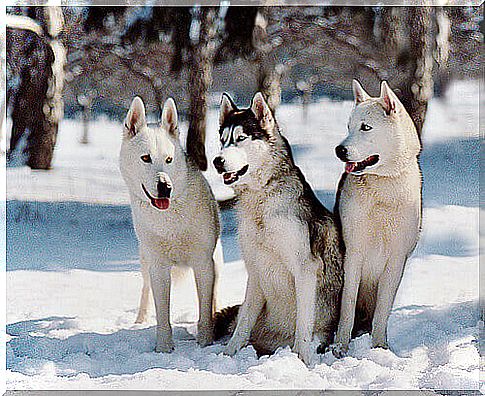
(350, 166)
(227, 176)
(162, 203)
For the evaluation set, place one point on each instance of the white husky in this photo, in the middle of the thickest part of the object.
(175, 217)
(380, 209)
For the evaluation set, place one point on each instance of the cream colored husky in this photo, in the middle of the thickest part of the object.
(380, 209)
(175, 217)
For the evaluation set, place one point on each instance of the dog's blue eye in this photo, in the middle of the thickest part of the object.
(146, 158)
(365, 127)
(240, 138)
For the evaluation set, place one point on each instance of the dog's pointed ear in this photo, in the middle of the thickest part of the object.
(262, 112)
(359, 93)
(390, 100)
(170, 117)
(135, 119)
(227, 107)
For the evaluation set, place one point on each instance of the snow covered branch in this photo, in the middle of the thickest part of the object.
(24, 23)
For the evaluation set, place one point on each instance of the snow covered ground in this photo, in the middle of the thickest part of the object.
(73, 283)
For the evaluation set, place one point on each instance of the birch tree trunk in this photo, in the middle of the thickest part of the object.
(200, 80)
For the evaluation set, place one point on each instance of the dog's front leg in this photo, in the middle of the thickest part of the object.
(250, 310)
(145, 291)
(160, 281)
(305, 287)
(386, 292)
(352, 277)
(204, 280)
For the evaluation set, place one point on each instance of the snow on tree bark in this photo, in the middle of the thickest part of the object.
(269, 78)
(419, 88)
(38, 106)
(406, 33)
(200, 80)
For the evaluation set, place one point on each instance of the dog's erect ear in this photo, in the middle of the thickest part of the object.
(390, 100)
(262, 112)
(135, 119)
(359, 93)
(170, 117)
(227, 106)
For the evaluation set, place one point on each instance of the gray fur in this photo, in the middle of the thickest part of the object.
(289, 241)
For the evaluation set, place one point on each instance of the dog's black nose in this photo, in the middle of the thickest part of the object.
(163, 189)
(341, 152)
(219, 164)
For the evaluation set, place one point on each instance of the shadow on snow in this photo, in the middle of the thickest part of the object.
(132, 351)
(75, 235)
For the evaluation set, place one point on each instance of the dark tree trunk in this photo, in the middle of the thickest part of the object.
(27, 113)
(406, 35)
(443, 25)
(418, 89)
(43, 128)
(38, 105)
(200, 80)
(392, 32)
(269, 75)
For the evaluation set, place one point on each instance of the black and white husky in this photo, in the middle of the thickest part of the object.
(290, 243)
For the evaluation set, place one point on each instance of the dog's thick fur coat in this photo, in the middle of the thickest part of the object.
(379, 203)
(175, 217)
(290, 243)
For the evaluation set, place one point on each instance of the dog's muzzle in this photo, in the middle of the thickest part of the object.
(232, 177)
(164, 190)
(219, 164)
(341, 152)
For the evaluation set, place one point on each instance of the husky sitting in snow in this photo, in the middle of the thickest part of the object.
(290, 243)
(379, 202)
(175, 217)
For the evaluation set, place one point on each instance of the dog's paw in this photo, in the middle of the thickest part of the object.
(304, 352)
(380, 344)
(339, 350)
(140, 318)
(323, 348)
(165, 347)
(233, 347)
(205, 338)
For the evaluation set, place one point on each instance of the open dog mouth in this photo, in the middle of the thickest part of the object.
(231, 177)
(159, 203)
(360, 166)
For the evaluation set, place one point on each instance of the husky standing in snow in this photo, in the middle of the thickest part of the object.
(175, 217)
(289, 241)
(379, 202)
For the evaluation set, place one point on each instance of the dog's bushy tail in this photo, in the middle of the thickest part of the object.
(225, 321)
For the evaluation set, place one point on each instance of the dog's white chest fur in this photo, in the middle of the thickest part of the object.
(262, 237)
(381, 215)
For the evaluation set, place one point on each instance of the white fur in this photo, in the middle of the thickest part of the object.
(185, 234)
(380, 210)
